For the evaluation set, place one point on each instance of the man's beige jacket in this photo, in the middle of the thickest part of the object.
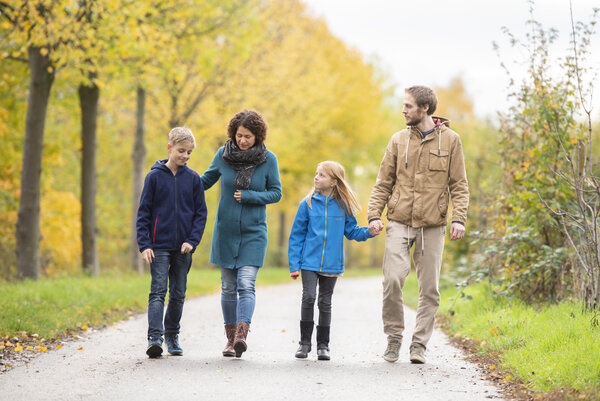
(418, 176)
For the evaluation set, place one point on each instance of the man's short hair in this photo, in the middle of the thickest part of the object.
(181, 134)
(424, 96)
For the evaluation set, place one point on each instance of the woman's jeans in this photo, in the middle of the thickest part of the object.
(237, 294)
(309, 291)
(168, 268)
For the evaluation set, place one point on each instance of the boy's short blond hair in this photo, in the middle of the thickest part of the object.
(181, 134)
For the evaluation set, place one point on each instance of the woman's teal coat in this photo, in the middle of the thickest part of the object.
(240, 233)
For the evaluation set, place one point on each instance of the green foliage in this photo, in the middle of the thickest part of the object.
(523, 241)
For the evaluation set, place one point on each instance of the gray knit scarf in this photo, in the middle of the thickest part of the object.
(244, 162)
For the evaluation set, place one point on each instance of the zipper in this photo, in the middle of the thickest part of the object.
(176, 214)
(325, 238)
(154, 231)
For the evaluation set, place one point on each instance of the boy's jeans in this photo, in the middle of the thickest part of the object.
(168, 267)
(234, 281)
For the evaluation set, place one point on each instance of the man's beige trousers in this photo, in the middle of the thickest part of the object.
(427, 255)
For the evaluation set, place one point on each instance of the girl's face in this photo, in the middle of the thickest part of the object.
(244, 138)
(323, 182)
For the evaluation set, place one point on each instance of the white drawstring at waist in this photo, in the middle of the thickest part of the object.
(422, 240)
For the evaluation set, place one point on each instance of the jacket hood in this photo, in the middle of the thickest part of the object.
(162, 165)
(438, 121)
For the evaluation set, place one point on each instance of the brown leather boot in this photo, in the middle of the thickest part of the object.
(230, 333)
(239, 343)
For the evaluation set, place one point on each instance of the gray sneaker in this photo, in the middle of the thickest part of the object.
(417, 353)
(393, 350)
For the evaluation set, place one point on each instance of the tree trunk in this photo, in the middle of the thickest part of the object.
(138, 156)
(88, 99)
(281, 262)
(28, 223)
(374, 258)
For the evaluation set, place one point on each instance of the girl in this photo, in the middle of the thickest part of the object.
(316, 246)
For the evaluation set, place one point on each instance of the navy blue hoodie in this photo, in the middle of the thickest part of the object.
(172, 209)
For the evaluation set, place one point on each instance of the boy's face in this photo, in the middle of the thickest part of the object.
(180, 153)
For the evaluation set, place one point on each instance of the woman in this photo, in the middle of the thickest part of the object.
(249, 181)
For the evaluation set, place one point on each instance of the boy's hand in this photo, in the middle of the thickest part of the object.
(186, 248)
(295, 274)
(238, 196)
(148, 255)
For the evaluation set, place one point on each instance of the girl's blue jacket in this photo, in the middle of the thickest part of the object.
(172, 209)
(317, 238)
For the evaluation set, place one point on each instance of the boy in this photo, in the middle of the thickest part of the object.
(170, 223)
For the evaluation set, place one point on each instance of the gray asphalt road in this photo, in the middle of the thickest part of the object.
(112, 365)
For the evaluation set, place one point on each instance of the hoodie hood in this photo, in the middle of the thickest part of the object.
(162, 165)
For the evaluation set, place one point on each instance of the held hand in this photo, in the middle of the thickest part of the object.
(186, 248)
(295, 274)
(375, 227)
(148, 255)
(238, 196)
(457, 231)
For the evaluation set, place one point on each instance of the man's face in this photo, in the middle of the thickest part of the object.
(413, 114)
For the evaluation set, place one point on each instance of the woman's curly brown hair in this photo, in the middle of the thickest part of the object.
(252, 121)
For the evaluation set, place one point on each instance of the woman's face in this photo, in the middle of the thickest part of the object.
(244, 138)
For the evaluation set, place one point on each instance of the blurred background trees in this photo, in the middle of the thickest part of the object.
(89, 91)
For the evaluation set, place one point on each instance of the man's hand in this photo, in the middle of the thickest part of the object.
(295, 274)
(148, 255)
(186, 248)
(375, 227)
(238, 196)
(457, 231)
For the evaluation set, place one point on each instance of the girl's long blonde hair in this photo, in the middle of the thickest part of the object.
(342, 192)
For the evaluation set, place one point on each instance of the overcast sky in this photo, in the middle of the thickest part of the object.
(430, 42)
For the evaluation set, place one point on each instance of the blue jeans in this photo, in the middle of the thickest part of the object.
(236, 282)
(168, 268)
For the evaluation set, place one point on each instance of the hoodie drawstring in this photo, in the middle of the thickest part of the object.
(406, 154)
(422, 242)
(408, 238)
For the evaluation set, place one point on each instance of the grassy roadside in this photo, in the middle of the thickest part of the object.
(554, 351)
(53, 308)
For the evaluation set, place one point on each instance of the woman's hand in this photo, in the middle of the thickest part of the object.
(238, 196)
(295, 274)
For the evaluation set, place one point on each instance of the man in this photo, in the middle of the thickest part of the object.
(422, 169)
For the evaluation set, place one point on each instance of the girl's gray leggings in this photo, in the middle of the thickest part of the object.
(309, 295)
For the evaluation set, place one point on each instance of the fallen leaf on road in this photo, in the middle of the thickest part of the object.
(80, 349)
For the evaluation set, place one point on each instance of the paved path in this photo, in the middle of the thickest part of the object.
(112, 364)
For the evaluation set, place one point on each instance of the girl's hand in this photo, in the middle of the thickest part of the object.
(295, 274)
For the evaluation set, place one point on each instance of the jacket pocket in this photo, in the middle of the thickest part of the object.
(438, 162)
(393, 200)
(443, 203)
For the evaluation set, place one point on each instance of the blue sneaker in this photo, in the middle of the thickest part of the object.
(154, 349)
(173, 345)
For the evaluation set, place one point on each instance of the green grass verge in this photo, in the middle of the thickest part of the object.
(51, 308)
(549, 348)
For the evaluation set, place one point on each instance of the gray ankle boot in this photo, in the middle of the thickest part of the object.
(306, 329)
